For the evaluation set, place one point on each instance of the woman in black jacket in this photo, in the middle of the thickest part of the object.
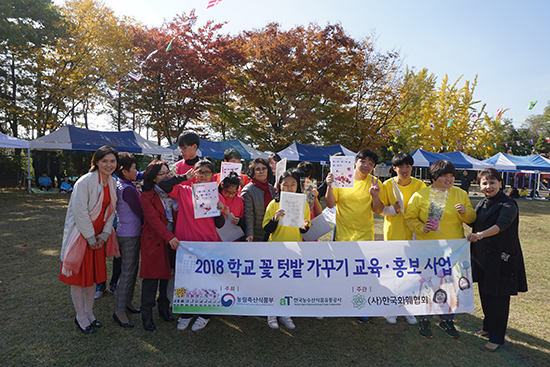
(497, 259)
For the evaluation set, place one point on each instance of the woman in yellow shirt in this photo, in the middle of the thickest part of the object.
(457, 210)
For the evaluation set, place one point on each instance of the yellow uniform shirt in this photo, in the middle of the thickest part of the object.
(450, 227)
(354, 220)
(394, 225)
(284, 233)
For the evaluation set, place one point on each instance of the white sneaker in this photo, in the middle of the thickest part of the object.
(391, 319)
(200, 323)
(319, 317)
(183, 323)
(272, 322)
(287, 322)
(411, 319)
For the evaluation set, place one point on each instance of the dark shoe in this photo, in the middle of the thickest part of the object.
(166, 316)
(96, 324)
(449, 328)
(89, 329)
(425, 328)
(148, 325)
(123, 324)
(135, 310)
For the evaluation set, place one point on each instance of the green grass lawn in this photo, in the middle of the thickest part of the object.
(37, 329)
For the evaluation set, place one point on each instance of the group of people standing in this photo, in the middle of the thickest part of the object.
(154, 220)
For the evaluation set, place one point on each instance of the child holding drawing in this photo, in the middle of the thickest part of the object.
(288, 182)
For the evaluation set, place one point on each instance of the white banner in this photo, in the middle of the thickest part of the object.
(375, 278)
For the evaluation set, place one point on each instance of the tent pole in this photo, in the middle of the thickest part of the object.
(29, 168)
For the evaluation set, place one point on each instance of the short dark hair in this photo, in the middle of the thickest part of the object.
(205, 163)
(307, 167)
(402, 159)
(367, 153)
(125, 161)
(151, 173)
(295, 174)
(188, 138)
(100, 153)
(231, 153)
(489, 174)
(273, 157)
(440, 168)
(252, 165)
(232, 179)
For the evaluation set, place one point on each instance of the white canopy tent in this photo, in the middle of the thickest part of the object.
(7, 141)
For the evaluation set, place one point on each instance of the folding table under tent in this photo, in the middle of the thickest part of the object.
(7, 141)
(75, 138)
(215, 149)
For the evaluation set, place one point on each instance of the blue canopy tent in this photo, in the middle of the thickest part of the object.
(74, 138)
(215, 149)
(460, 160)
(312, 153)
(512, 163)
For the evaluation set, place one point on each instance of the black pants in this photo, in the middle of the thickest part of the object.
(148, 293)
(496, 311)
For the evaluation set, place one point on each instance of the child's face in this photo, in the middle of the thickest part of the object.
(403, 171)
(44, 175)
(66, 179)
(230, 192)
(289, 184)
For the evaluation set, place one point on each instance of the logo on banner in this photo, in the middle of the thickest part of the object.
(228, 300)
(358, 301)
(285, 301)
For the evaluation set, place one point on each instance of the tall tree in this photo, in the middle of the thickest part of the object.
(27, 28)
(95, 53)
(183, 83)
(291, 84)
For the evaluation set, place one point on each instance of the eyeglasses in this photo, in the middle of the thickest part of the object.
(163, 174)
(183, 147)
(230, 193)
(260, 169)
(203, 173)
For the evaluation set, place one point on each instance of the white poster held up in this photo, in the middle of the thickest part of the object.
(228, 167)
(230, 232)
(205, 200)
(342, 168)
(280, 169)
(294, 206)
(319, 227)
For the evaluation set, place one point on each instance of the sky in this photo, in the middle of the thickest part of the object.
(505, 43)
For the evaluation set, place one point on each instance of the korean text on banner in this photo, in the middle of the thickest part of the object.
(377, 278)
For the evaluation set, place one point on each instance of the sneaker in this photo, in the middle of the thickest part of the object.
(411, 319)
(113, 289)
(287, 322)
(99, 290)
(391, 319)
(320, 317)
(363, 320)
(272, 322)
(183, 323)
(449, 328)
(425, 328)
(200, 323)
